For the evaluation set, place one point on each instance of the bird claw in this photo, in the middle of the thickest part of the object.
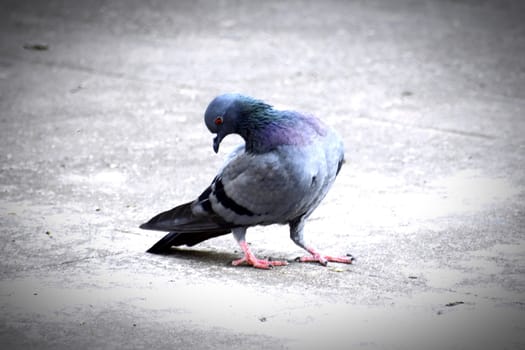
(324, 259)
(259, 263)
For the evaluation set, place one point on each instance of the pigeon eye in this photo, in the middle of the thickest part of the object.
(219, 121)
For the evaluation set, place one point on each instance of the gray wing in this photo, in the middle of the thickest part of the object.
(275, 187)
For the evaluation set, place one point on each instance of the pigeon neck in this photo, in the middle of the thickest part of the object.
(263, 133)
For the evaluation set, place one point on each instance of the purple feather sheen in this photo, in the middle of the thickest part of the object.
(290, 128)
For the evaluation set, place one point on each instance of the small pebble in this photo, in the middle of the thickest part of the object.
(36, 47)
(455, 303)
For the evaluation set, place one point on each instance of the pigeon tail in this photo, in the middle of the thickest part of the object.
(174, 239)
(185, 228)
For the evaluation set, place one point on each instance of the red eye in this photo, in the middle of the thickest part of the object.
(218, 121)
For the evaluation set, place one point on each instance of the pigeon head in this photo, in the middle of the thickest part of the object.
(230, 114)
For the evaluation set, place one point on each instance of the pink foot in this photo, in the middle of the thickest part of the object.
(324, 259)
(251, 260)
(259, 263)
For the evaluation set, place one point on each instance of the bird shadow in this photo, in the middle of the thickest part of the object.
(201, 256)
(209, 257)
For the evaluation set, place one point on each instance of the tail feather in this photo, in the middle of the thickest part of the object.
(185, 228)
(177, 239)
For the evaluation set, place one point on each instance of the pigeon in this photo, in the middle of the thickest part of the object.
(281, 173)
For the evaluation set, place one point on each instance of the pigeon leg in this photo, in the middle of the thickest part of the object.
(249, 258)
(296, 234)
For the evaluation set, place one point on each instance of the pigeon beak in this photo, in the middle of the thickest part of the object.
(216, 142)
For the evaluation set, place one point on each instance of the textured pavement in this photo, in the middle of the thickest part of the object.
(101, 127)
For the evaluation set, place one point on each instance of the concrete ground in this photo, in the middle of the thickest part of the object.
(101, 127)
